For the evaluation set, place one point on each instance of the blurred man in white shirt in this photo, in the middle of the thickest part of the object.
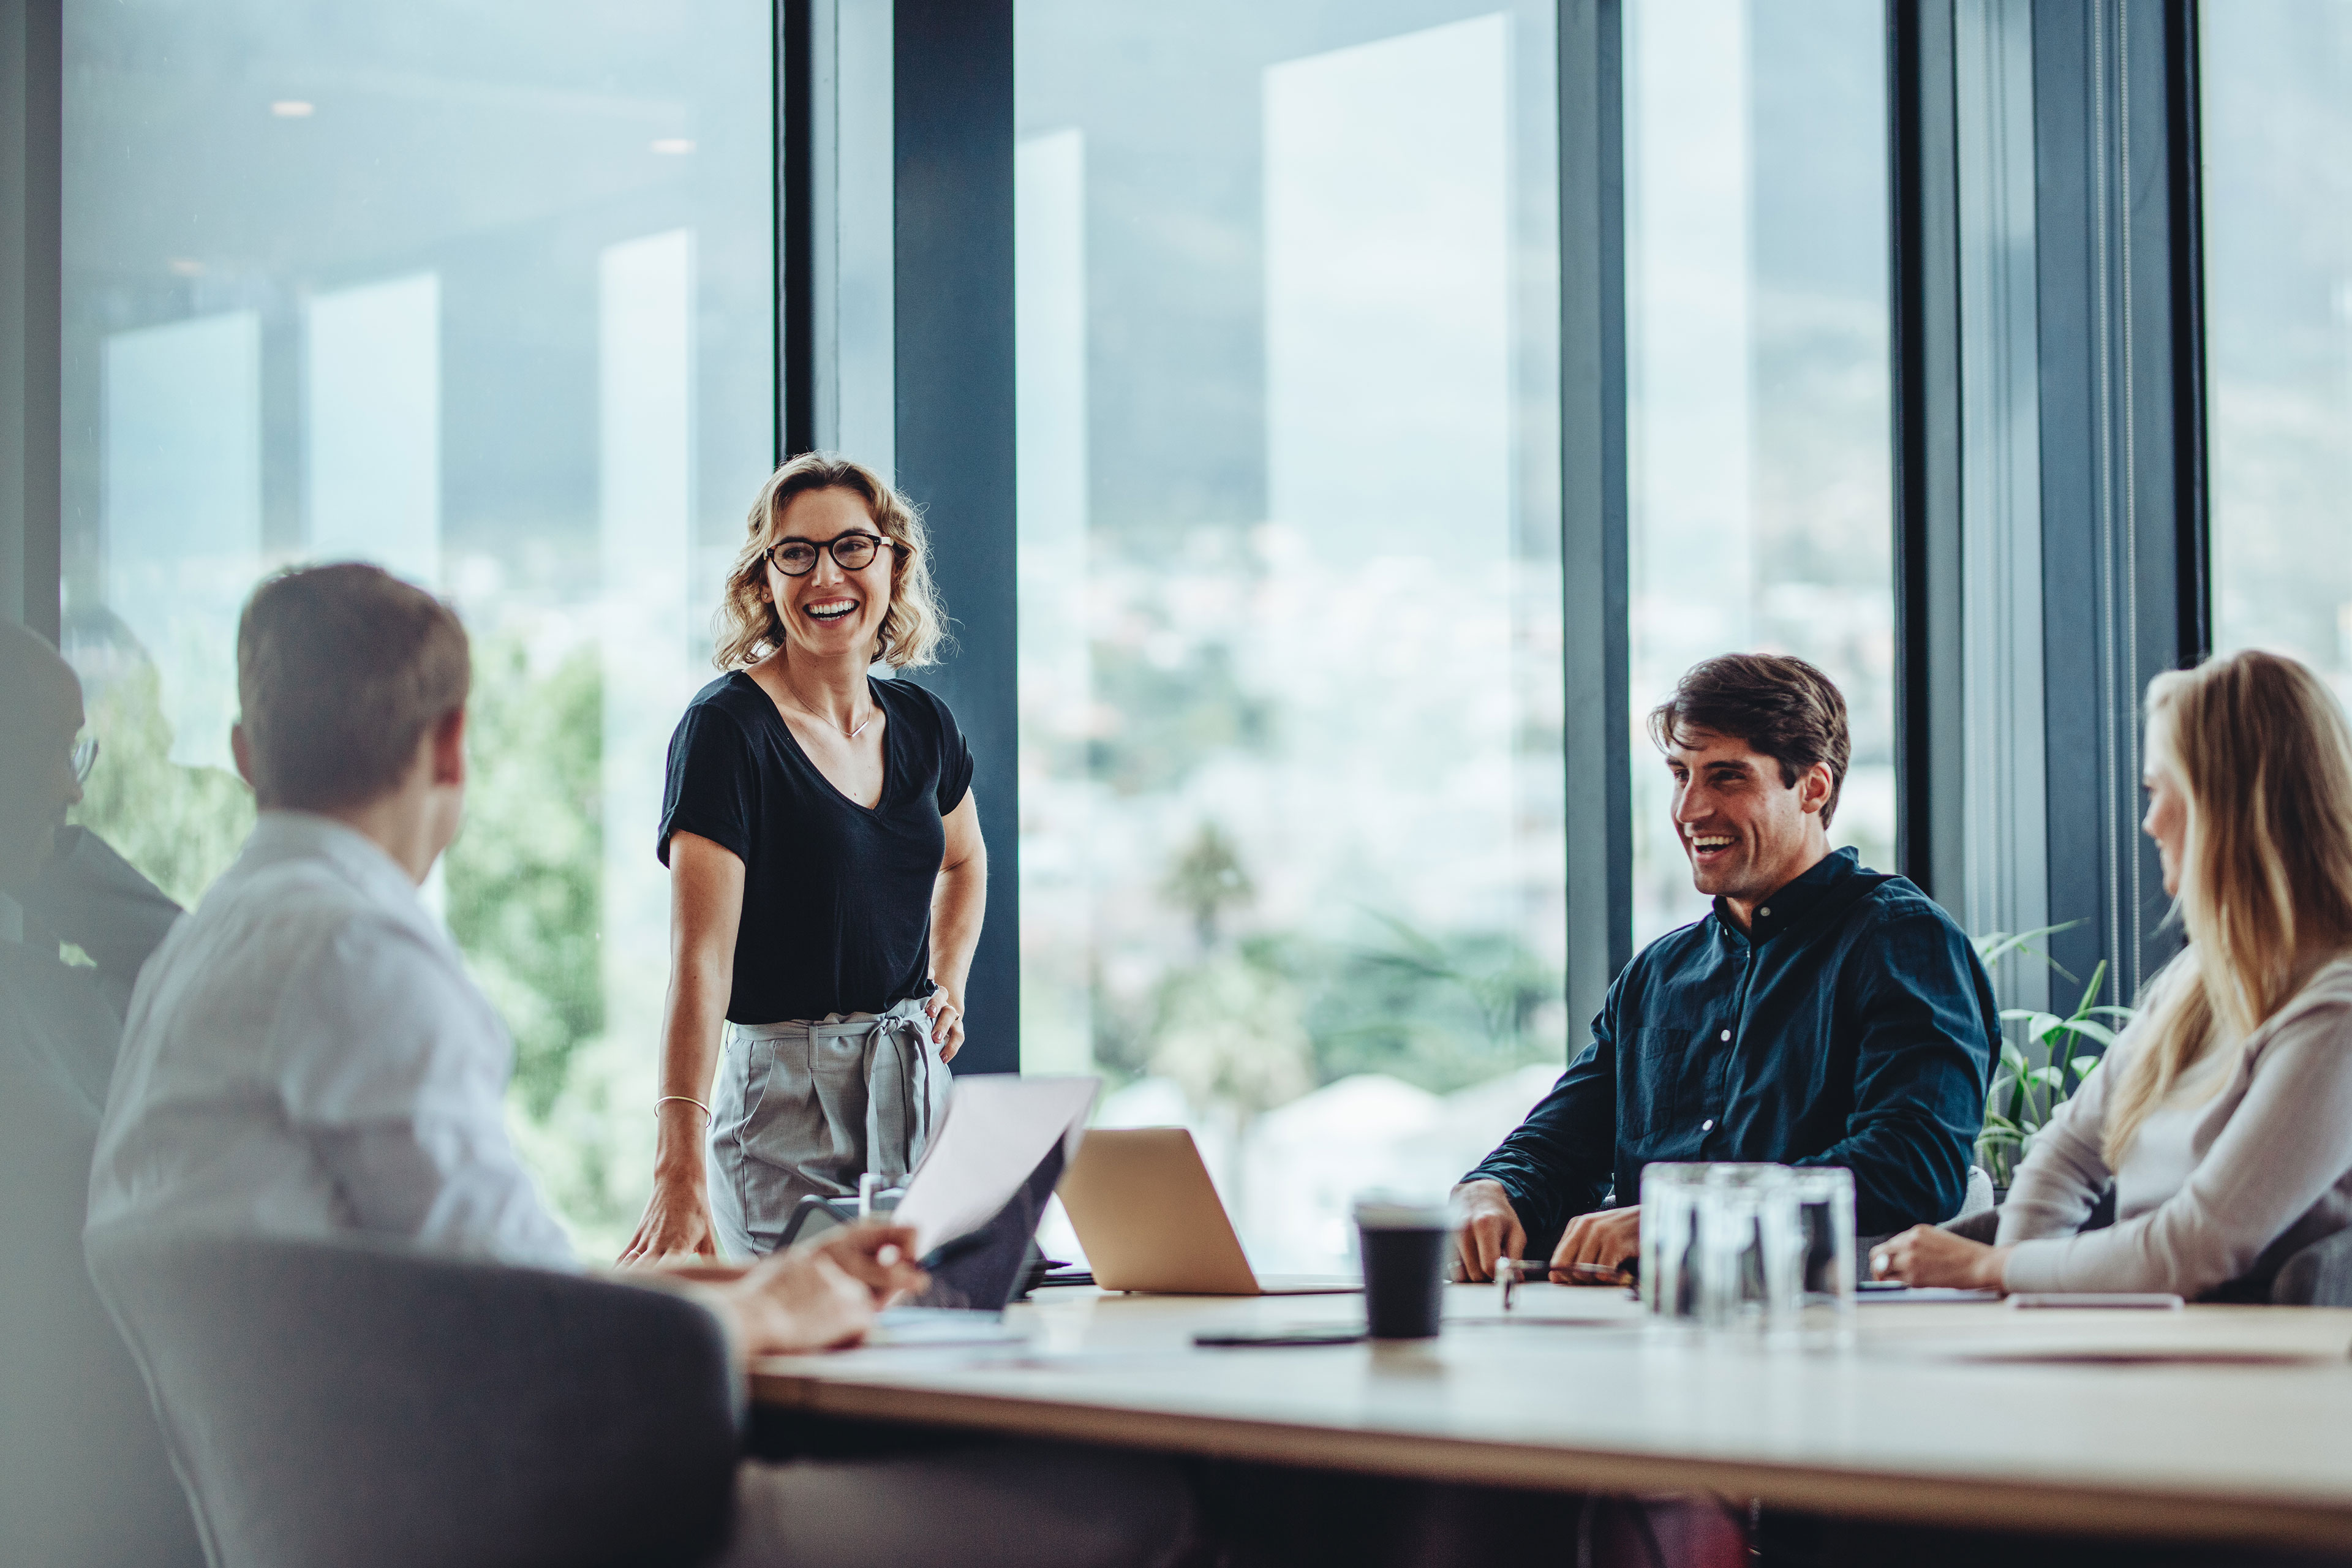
(306, 1056)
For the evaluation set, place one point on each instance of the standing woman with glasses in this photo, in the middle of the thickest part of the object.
(827, 878)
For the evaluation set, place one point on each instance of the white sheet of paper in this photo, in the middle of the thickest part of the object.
(998, 1127)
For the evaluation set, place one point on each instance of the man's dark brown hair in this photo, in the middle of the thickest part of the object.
(340, 671)
(1773, 703)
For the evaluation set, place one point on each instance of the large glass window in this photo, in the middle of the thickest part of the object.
(482, 294)
(1291, 849)
(2278, 266)
(1759, 413)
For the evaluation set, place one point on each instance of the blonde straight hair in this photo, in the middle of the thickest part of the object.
(747, 627)
(2259, 747)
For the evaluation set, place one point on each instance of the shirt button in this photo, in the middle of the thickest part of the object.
(1766, 913)
(1708, 1125)
(1727, 1037)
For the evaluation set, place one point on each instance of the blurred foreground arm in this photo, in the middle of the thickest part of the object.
(822, 1294)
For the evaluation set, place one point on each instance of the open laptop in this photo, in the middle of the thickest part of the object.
(1149, 1219)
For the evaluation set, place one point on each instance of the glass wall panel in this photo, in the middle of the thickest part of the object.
(479, 293)
(2277, 129)
(1758, 421)
(1290, 616)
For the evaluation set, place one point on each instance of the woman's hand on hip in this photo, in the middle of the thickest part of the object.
(946, 1010)
(676, 1224)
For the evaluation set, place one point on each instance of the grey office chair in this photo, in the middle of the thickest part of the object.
(369, 1407)
(2318, 1275)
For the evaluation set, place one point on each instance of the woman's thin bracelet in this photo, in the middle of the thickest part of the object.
(688, 1099)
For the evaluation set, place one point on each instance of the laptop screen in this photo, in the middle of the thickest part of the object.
(980, 1270)
(975, 1200)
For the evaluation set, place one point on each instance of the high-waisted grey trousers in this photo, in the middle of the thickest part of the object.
(803, 1108)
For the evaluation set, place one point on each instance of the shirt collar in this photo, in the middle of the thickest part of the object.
(279, 836)
(1785, 908)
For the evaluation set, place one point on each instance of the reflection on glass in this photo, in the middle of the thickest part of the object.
(1758, 416)
(182, 497)
(493, 311)
(2278, 343)
(1290, 686)
(372, 392)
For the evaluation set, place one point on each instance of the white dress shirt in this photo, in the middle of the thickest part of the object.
(306, 1056)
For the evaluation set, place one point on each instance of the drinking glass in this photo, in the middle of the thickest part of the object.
(1824, 1197)
(1670, 1255)
(1750, 1248)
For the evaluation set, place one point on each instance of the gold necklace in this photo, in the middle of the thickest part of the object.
(821, 719)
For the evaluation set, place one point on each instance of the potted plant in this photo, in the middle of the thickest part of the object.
(2041, 1069)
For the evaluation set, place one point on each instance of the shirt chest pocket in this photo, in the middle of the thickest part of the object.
(1661, 1077)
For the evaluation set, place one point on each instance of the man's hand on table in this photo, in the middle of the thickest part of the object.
(1490, 1229)
(822, 1294)
(1929, 1255)
(1605, 1237)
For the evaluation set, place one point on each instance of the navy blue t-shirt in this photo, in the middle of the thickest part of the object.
(836, 898)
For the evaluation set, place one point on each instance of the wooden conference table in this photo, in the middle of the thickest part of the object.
(2218, 1423)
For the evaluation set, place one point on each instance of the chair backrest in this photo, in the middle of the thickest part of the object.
(334, 1403)
(1980, 1198)
(2320, 1275)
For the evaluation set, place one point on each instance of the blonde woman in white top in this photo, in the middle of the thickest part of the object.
(2224, 1115)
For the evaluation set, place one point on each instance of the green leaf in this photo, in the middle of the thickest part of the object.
(2084, 1065)
(2098, 1032)
(2092, 990)
(1994, 946)
(2014, 1059)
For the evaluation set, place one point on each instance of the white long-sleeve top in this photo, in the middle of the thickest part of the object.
(2248, 1161)
(306, 1056)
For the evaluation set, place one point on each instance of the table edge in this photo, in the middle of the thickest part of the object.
(1977, 1502)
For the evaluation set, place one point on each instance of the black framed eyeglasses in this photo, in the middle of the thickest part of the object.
(85, 757)
(851, 553)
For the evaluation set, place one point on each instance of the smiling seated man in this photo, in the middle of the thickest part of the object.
(307, 1057)
(1822, 1014)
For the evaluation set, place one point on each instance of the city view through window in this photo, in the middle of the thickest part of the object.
(1291, 696)
(1290, 639)
(483, 295)
(2278, 346)
(1758, 400)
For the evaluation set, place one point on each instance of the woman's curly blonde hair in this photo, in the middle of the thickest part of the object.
(747, 627)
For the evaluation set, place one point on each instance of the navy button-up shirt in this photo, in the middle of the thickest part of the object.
(1852, 1026)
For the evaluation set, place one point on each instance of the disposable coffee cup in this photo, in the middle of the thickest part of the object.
(1403, 1247)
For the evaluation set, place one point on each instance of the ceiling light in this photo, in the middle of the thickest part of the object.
(293, 109)
(673, 144)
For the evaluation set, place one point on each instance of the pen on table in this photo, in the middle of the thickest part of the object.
(1512, 1272)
